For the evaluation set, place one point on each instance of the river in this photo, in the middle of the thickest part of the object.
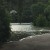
(24, 27)
(21, 27)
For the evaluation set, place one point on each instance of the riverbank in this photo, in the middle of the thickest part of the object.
(17, 35)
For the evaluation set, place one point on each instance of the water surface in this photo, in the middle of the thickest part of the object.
(24, 27)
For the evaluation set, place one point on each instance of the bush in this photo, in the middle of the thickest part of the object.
(4, 25)
(16, 36)
(41, 21)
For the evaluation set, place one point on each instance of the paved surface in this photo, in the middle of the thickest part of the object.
(38, 42)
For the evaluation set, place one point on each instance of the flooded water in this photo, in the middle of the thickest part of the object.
(21, 27)
(24, 27)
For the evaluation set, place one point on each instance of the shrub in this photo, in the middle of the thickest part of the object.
(16, 36)
(4, 25)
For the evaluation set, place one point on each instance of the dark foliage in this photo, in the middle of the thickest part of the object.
(4, 26)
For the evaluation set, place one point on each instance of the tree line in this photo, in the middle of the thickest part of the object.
(35, 11)
(41, 14)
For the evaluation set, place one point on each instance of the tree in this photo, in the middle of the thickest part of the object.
(27, 15)
(20, 8)
(4, 22)
(4, 26)
(42, 1)
(41, 21)
(47, 14)
(36, 10)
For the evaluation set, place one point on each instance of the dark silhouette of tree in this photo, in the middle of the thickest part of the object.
(4, 22)
(20, 8)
